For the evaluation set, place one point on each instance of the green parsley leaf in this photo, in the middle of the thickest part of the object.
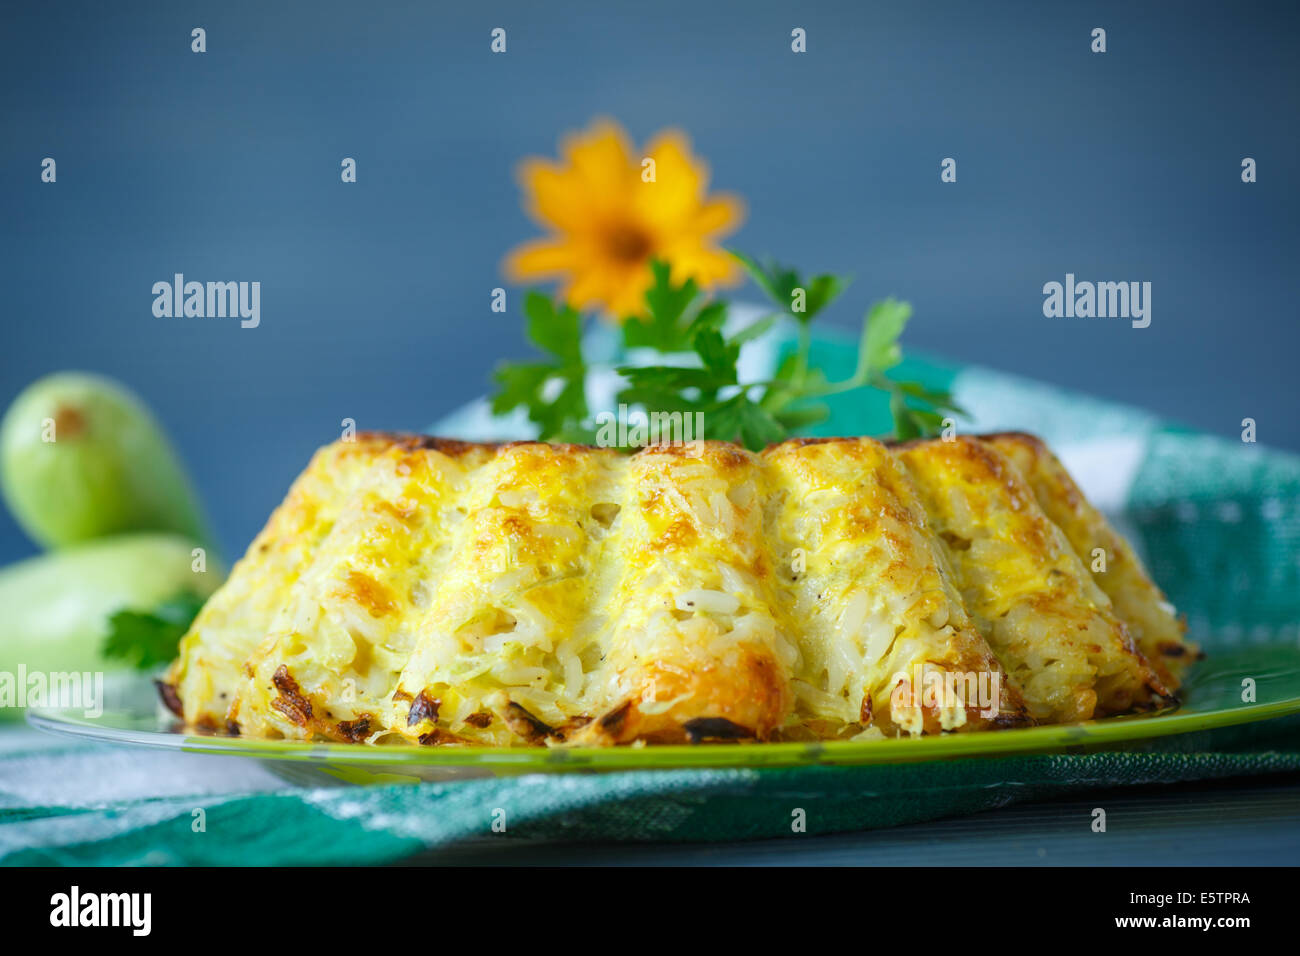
(711, 317)
(754, 330)
(147, 639)
(663, 328)
(918, 411)
(905, 426)
(671, 377)
(879, 350)
(782, 283)
(936, 397)
(557, 330)
(718, 355)
(553, 392)
(520, 384)
(797, 419)
(742, 420)
(681, 319)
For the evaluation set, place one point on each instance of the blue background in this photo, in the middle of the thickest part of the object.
(375, 296)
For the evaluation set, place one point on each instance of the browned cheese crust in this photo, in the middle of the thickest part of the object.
(520, 594)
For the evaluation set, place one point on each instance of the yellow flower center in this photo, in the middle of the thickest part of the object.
(627, 243)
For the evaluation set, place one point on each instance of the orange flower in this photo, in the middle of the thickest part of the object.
(607, 222)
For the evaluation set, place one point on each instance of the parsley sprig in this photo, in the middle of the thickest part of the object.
(552, 391)
(146, 639)
(701, 355)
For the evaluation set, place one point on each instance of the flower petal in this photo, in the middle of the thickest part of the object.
(555, 197)
(607, 223)
(629, 299)
(722, 213)
(591, 287)
(601, 164)
(680, 180)
(543, 259)
(707, 265)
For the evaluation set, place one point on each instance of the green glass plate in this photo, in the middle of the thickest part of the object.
(1212, 698)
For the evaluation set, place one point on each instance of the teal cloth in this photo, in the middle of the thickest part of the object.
(1219, 522)
(367, 825)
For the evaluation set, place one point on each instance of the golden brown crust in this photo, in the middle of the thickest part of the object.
(750, 697)
(856, 513)
(1111, 561)
(521, 593)
(1031, 597)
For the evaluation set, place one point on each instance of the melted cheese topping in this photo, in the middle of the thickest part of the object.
(442, 592)
(1110, 560)
(1053, 629)
(875, 601)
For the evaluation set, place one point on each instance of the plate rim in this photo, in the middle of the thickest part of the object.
(731, 755)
